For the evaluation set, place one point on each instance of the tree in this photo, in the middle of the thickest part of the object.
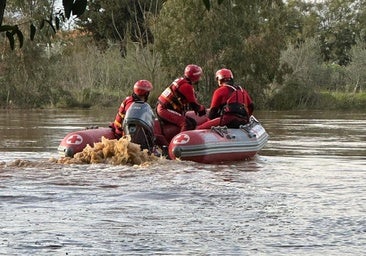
(117, 21)
(132, 21)
(246, 36)
(2, 10)
(71, 7)
(357, 68)
(337, 24)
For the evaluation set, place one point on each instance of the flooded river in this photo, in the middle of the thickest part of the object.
(303, 194)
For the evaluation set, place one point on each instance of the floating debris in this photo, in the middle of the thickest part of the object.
(115, 152)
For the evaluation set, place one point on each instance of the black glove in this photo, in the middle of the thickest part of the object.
(202, 111)
(190, 123)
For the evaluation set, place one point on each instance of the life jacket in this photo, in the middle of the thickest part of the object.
(236, 104)
(117, 124)
(171, 97)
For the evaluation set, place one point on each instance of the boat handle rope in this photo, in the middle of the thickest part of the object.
(222, 131)
(91, 127)
(246, 128)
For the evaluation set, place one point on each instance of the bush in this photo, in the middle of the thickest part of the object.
(293, 95)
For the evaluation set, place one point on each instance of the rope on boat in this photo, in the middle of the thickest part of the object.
(247, 128)
(222, 131)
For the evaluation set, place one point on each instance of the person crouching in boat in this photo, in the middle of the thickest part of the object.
(180, 97)
(141, 91)
(231, 105)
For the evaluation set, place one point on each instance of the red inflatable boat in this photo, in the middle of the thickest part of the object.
(215, 145)
(219, 144)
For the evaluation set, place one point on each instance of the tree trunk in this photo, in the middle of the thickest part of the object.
(2, 9)
(357, 86)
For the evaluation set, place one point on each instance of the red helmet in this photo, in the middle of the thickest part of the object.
(224, 74)
(142, 87)
(193, 72)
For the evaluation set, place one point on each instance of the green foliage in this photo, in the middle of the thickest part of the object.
(293, 95)
(119, 21)
(145, 63)
(177, 33)
(296, 95)
(244, 36)
(304, 61)
(306, 66)
(72, 75)
(26, 12)
(341, 101)
(357, 68)
(337, 24)
(276, 50)
(335, 77)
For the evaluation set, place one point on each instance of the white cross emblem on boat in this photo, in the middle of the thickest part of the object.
(181, 139)
(74, 139)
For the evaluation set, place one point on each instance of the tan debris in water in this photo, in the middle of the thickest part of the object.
(117, 152)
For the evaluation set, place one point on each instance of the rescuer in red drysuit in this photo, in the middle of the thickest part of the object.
(141, 91)
(231, 105)
(180, 97)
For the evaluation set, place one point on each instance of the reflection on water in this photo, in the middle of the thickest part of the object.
(304, 194)
(41, 130)
(317, 134)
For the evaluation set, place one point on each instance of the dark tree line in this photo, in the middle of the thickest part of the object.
(268, 45)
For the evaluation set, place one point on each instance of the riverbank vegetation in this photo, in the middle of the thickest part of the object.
(288, 54)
